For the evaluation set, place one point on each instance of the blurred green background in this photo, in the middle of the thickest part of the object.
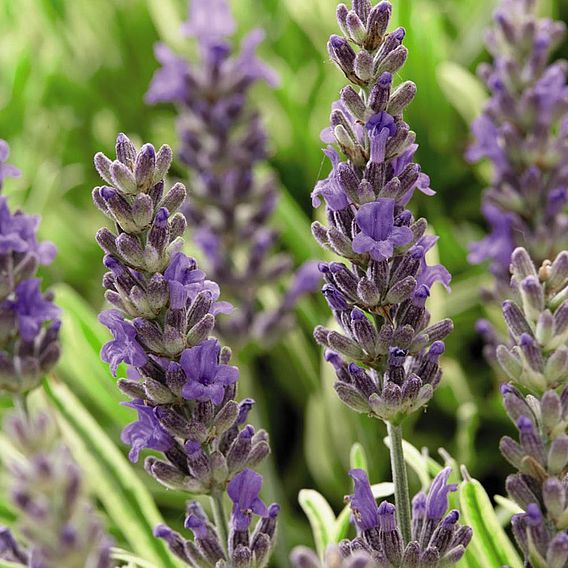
(74, 72)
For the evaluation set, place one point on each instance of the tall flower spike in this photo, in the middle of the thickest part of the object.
(386, 352)
(29, 321)
(222, 141)
(437, 539)
(180, 380)
(523, 133)
(56, 522)
(536, 360)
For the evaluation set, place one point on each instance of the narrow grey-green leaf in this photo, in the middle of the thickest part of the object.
(321, 518)
(490, 544)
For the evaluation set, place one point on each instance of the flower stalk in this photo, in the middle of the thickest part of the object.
(400, 480)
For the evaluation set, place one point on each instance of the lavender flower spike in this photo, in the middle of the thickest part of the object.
(57, 525)
(180, 379)
(536, 359)
(29, 327)
(244, 548)
(437, 539)
(386, 354)
(222, 142)
(523, 133)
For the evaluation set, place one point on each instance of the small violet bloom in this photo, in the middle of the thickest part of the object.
(31, 308)
(146, 433)
(379, 236)
(207, 379)
(244, 490)
(124, 345)
(362, 502)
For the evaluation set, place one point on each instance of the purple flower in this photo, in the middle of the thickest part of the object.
(124, 345)
(18, 233)
(330, 188)
(437, 501)
(183, 271)
(210, 21)
(379, 122)
(31, 308)
(207, 379)
(244, 490)
(146, 433)
(430, 274)
(363, 504)
(6, 170)
(170, 82)
(251, 67)
(378, 234)
(500, 242)
(306, 280)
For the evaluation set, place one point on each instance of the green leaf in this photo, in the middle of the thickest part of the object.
(81, 333)
(463, 89)
(343, 522)
(130, 559)
(111, 477)
(490, 544)
(321, 518)
(357, 457)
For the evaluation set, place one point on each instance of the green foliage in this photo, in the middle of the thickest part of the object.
(490, 545)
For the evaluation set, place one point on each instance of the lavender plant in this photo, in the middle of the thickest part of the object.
(523, 132)
(181, 383)
(386, 354)
(56, 519)
(436, 539)
(222, 143)
(536, 362)
(29, 325)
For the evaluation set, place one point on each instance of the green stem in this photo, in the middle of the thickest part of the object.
(400, 480)
(220, 518)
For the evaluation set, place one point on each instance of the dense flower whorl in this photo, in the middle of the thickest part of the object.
(29, 321)
(523, 132)
(386, 354)
(179, 378)
(437, 538)
(56, 522)
(244, 549)
(222, 140)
